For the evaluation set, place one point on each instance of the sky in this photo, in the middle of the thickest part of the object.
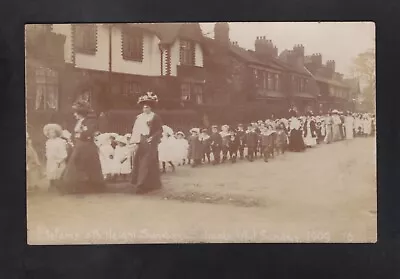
(339, 41)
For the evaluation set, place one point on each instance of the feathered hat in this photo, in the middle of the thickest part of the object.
(149, 97)
(52, 126)
(82, 107)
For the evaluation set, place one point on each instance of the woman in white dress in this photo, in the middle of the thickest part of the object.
(349, 126)
(310, 131)
(367, 125)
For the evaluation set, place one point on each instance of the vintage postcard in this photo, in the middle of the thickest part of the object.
(236, 132)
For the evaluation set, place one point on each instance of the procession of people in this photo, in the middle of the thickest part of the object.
(86, 161)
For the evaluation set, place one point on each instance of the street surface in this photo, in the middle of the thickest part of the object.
(326, 194)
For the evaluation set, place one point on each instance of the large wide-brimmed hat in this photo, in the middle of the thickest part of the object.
(180, 133)
(335, 111)
(82, 107)
(149, 97)
(52, 126)
(167, 130)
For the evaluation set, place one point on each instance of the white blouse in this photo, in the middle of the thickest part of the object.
(141, 126)
(294, 124)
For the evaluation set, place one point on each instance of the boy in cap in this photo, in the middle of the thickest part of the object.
(216, 144)
(233, 145)
(225, 135)
(205, 141)
(251, 142)
(240, 133)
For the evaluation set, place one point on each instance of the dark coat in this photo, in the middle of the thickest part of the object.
(146, 170)
(196, 148)
(251, 139)
(215, 141)
(313, 128)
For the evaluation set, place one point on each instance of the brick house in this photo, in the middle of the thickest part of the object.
(110, 65)
(242, 85)
(334, 92)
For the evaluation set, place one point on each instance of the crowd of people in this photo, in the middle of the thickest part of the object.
(118, 157)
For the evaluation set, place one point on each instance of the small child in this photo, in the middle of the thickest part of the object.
(281, 138)
(182, 146)
(233, 146)
(251, 142)
(56, 154)
(195, 147)
(106, 154)
(166, 149)
(216, 144)
(225, 141)
(206, 142)
(122, 160)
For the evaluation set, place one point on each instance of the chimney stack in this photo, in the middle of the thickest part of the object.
(264, 48)
(221, 33)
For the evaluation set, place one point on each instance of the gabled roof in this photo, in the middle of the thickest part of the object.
(250, 58)
(169, 32)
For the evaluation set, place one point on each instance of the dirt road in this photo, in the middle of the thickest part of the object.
(326, 194)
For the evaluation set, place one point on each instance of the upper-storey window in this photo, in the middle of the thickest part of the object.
(86, 38)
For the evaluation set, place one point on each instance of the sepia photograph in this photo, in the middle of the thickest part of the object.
(209, 132)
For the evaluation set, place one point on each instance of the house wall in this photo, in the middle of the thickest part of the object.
(66, 30)
(151, 64)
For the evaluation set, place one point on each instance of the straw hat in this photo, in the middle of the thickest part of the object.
(52, 126)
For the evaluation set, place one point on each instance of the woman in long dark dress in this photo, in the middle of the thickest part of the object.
(83, 172)
(296, 142)
(146, 135)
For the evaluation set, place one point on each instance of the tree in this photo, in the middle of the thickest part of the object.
(364, 68)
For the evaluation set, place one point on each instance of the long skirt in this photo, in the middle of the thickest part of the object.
(336, 133)
(83, 171)
(349, 131)
(296, 142)
(146, 172)
(328, 134)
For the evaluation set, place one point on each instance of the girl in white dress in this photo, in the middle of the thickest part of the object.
(122, 159)
(106, 154)
(56, 154)
(167, 152)
(309, 132)
(182, 147)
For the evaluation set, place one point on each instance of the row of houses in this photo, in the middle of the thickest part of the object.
(216, 80)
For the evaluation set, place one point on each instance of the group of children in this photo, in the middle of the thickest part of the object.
(262, 139)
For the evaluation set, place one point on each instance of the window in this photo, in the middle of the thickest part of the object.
(301, 87)
(132, 46)
(131, 88)
(277, 82)
(86, 38)
(46, 81)
(265, 80)
(198, 91)
(187, 53)
(192, 92)
(270, 82)
(185, 92)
